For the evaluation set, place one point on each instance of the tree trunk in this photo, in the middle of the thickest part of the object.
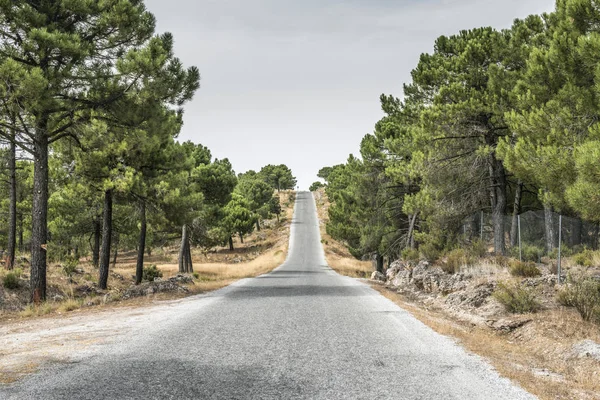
(515, 217)
(183, 250)
(39, 226)
(190, 268)
(549, 228)
(116, 253)
(241, 238)
(410, 241)
(106, 240)
(231, 243)
(96, 249)
(12, 206)
(277, 218)
(139, 269)
(21, 232)
(258, 225)
(379, 262)
(498, 195)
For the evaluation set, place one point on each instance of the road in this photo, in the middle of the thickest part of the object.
(300, 332)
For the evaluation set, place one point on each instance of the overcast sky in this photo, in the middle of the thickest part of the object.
(298, 81)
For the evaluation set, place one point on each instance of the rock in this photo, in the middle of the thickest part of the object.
(148, 288)
(118, 276)
(84, 290)
(182, 279)
(540, 280)
(508, 325)
(471, 298)
(402, 278)
(378, 276)
(57, 298)
(587, 349)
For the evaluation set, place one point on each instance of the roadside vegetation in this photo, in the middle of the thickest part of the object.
(91, 105)
(214, 268)
(475, 200)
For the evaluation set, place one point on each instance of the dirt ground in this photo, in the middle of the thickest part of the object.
(553, 353)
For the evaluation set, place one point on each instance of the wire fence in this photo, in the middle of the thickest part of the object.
(535, 234)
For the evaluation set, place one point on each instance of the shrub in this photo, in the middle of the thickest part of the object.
(531, 253)
(565, 251)
(585, 258)
(11, 280)
(429, 251)
(584, 295)
(196, 275)
(501, 261)
(516, 299)
(410, 255)
(150, 273)
(69, 267)
(524, 269)
(478, 249)
(456, 259)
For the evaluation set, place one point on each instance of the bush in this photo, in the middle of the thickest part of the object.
(523, 269)
(69, 267)
(150, 273)
(196, 275)
(501, 261)
(531, 253)
(410, 255)
(429, 251)
(456, 259)
(585, 258)
(11, 280)
(516, 299)
(478, 249)
(584, 295)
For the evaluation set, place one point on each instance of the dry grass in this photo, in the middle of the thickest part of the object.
(260, 253)
(337, 255)
(538, 356)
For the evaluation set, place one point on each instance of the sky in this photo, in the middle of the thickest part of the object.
(297, 82)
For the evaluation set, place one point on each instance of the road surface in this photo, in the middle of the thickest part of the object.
(300, 332)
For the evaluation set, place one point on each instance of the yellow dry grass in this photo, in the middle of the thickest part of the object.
(260, 253)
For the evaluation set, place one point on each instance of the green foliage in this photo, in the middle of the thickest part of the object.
(584, 295)
(410, 254)
(278, 176)
(196, 275)
(532, 253)
(526, 269)
(585, 258)
(516, 299)
(238, 218)
(10, 280)
(430, 252)
(69, 267)
(152, 272)
(316, 186)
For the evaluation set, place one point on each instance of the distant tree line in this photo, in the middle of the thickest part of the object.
(499, 121)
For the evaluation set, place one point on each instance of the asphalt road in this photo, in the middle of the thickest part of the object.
(300, 332)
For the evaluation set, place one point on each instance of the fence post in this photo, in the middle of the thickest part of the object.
(520, 248)
(559, 245)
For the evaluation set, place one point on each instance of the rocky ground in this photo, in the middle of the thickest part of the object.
(553, 353)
